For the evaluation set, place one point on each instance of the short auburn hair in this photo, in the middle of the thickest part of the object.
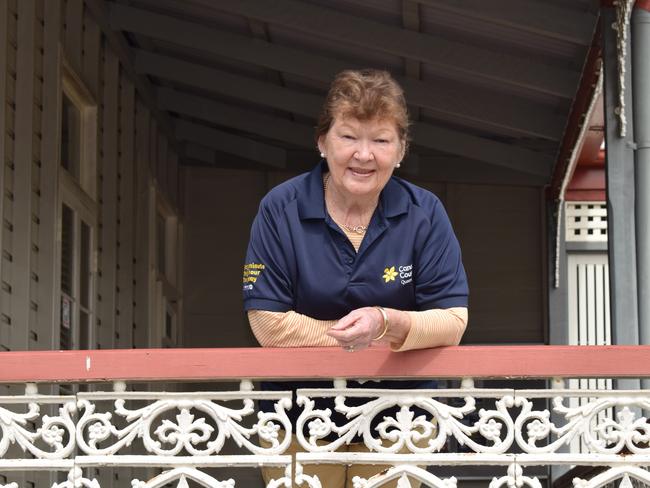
(365, 95)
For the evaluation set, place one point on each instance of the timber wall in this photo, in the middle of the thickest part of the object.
(134, 161)
(133, 156)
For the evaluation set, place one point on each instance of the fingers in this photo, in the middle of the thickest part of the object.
(345, 322)
(347, 330)
(355, 330)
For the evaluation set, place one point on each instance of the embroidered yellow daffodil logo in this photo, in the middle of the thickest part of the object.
(389, 274)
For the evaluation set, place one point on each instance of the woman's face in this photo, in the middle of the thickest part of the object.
(361, 155)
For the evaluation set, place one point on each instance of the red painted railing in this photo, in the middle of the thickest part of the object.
(253, 363)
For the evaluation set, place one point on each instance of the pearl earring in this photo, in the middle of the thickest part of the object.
(398, 164)
(322, 155)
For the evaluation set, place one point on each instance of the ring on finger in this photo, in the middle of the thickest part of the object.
(349, 348)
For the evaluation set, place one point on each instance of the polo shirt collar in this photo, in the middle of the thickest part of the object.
(393, 201)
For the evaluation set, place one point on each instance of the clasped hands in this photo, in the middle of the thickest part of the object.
(357, 330)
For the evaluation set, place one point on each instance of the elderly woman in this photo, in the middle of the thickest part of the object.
(349, 255)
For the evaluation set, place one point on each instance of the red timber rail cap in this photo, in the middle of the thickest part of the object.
(320, 363)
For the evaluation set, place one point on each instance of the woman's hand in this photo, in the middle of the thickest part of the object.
(357, 329)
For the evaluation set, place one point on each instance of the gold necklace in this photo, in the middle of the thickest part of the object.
(357, 229)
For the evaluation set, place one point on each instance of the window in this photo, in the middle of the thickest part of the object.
(77, 246)
(167, 290)
(77, 213)
(70, 136)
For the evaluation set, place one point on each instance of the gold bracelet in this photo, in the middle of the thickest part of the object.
(385, 316)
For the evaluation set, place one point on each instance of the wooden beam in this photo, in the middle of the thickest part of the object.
(531, 16)
(425, 135)
(228, 84)
(492, 109)
(238, 118)
(99, 11)
(473, 147)
(450, 57)
(259, 30)
(231, 144)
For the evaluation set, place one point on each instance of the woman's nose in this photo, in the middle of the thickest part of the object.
(364, 151)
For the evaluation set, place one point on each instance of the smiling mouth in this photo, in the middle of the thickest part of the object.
(361, 172)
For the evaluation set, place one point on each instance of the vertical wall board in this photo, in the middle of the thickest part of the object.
(24, 133)
(504, 272)
(10, 24)
(126, 182)
(40, 12)
(6, 270)
(153, 151)
(172, 177)
(73, 35)
(4, 46)
(180, 283)
(155, 303)
(125, 298)
(11, 63)
(182, 184)
(91, 44)
(20, 213)
(161, 164)
(212, 261)
(48, 310)
(143, 175)
(36, 124)
(107, 282)
(9, 168)
(9, 118)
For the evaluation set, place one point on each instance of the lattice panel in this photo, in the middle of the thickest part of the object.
(586, 222)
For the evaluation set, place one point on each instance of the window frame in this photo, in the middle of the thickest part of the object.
(77, 92)
(167, 282)
(79, 194)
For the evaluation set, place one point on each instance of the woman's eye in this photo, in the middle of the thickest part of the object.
(382, 141)
(349, 137)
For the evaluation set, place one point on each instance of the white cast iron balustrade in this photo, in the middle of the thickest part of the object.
(176, 439)
(184, 432)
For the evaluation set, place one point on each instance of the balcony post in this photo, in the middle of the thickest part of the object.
(641, 96)
(620, 173)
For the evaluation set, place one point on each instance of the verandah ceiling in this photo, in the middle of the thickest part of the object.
(489, 83)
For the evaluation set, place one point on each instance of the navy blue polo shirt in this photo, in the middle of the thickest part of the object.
(299, 259)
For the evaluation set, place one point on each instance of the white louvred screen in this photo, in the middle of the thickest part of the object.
(589, 323)
(586, 222)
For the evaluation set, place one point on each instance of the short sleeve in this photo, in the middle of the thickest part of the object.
(440, 280)
(266, 276)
